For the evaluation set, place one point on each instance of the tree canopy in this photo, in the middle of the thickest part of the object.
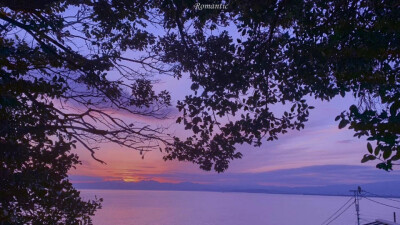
(277, 53)
(56, 92)
(66, 64)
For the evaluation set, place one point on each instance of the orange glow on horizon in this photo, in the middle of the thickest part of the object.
(131, 179)
(165, 180)
(126, 165)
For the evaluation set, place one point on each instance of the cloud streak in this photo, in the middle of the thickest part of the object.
(298, 177)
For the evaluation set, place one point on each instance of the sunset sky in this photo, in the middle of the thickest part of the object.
(313, 156)
(310, 157)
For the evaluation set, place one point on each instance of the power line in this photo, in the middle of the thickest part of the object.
(337, 211)
(369, 216)
(368, 221)
(382, 203)
(382, 196)
(340, 213)
(357, 194)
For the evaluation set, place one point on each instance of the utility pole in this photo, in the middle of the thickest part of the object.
(357, 194)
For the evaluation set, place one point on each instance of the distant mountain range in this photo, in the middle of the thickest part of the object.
(380, 188)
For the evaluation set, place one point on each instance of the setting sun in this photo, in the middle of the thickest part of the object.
(131, 179)
(199, 112)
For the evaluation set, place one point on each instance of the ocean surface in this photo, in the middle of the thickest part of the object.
(136, 207)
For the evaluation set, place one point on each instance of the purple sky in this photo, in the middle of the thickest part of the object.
(313, 156)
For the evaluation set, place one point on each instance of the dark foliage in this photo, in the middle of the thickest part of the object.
(55, 91)
(243, 62)
(277, 53)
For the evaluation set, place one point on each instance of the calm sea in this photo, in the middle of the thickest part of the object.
(133, 207)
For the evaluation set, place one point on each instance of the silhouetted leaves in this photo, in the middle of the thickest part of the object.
(367, 158)
(58, 84)
(287, 50)
(369, 147)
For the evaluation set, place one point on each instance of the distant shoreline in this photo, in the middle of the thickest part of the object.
(237, 191)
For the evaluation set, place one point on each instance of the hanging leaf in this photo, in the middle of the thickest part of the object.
(377, 150)
(369, 146)
(343, 123)
(367, 158)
